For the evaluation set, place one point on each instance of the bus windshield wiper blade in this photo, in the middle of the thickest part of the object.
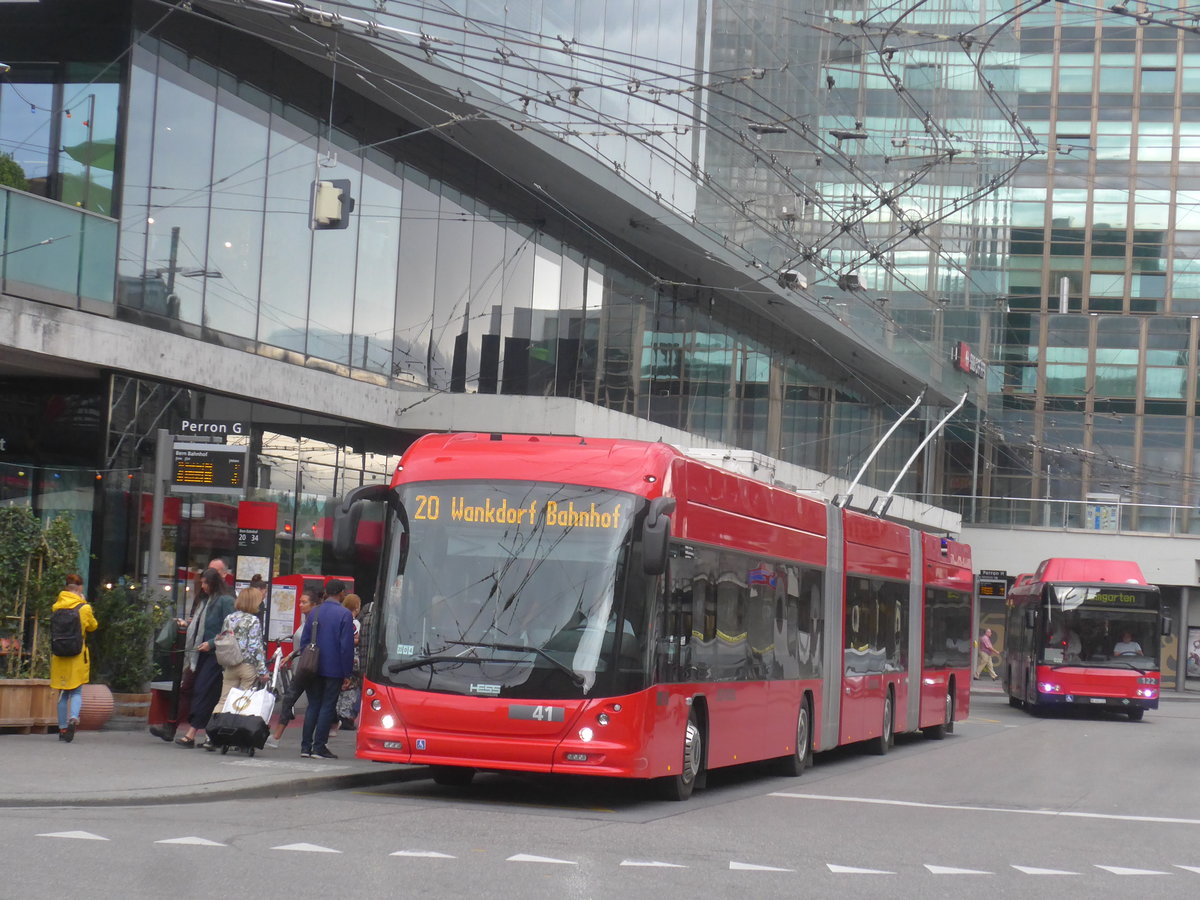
(522, 648)
(1121, 662)
(427, 660)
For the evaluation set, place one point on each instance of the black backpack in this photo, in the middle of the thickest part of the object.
(66, 632)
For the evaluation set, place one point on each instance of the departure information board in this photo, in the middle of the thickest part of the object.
(208, 469)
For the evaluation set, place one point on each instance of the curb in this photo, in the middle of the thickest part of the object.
(289, 788)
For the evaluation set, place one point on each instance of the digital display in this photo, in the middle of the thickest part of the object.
(208, 468)
(462, 509)
(992, 588)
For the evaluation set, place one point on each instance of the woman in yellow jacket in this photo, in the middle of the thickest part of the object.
(68, 674)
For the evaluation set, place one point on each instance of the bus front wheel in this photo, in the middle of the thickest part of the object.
(1135, 714)
(794, 765)
(681, 785)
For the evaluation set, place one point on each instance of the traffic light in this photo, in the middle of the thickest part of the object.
(331, 204)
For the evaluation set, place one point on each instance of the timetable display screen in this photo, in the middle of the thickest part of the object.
(208, 468)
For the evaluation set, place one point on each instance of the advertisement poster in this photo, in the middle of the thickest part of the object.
(1193, 653)
(283, 612)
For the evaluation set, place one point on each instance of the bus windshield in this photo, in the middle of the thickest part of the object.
(1113, 626)
(510, 589)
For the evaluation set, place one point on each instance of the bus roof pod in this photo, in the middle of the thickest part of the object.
(1109, 571)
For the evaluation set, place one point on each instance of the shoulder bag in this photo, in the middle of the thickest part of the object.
(304, 669)
(225, 644)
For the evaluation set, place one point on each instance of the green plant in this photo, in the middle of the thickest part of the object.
(11, 173)
(120, 645)
(34, 563)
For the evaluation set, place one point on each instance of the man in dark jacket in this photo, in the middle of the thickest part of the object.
(335, 640)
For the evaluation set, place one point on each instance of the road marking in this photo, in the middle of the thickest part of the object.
(950, 870)
(1195, 869)
(1033, 870)
(193, 841)
(748, 867)
(306, 848)
(1121, 870)
(651, 864)
(425, 854)
(524, 857)
(851, 870)
(76, 835)
(1163, 820)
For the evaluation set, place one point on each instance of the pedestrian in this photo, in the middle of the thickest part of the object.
(247, 629)
(182, 674)
(335, 640)
(987, 653)
(350, 697)
(291, 691)
(200, 655)
(68, 674)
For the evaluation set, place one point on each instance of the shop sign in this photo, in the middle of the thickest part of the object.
(968, 361)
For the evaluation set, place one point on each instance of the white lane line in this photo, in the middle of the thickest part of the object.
(76, 835)
(1195, 869)
(306, 848)
(749, 867)
(1121, 870)
(1034, 870)
(423, 854)
(851, 870)
(1163, 820)
(651, 864)
(525, 857)
(192, 841)
(950, 870)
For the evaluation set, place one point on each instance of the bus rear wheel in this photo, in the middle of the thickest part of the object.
(793, 766)
(681, 785)
(1135, 714)
(453, 776)
(883, 743)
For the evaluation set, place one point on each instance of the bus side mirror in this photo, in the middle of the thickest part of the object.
(1166, 627)
(1030, 618)
(347, 513)
(656, 535)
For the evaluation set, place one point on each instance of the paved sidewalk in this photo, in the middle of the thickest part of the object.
(118, 768)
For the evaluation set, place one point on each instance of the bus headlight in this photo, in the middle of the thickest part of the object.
(586, 734)
(388, 722)
(1049, 687)
(602, 718)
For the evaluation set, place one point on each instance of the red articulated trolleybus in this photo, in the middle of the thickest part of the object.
(1086, 632)
(618, 608)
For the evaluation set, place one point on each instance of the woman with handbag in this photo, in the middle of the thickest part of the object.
(293, 690)
(239, 647)
(199, 653)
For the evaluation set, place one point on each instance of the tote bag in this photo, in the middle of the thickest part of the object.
(250, 702)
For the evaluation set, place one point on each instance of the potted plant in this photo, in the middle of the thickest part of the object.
(34, 563)
(121, 646)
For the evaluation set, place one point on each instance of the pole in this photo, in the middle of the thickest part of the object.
(933, 432)
(844, 500)
(162, 464)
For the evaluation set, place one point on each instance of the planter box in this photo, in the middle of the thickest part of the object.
(27, 704)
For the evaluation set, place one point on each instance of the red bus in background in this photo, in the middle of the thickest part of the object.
(1085, 632)
(613, 607)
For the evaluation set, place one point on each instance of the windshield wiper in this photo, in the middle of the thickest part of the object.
(427, 660)
(1121, 662)
(522, 648)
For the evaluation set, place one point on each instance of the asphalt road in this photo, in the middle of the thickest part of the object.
(1010, 805)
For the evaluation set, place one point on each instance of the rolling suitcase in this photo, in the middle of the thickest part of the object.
(244, 722)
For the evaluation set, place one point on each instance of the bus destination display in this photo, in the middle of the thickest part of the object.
(208, 468)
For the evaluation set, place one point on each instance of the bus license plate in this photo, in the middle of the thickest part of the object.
(1098, 700)
(537, 713)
